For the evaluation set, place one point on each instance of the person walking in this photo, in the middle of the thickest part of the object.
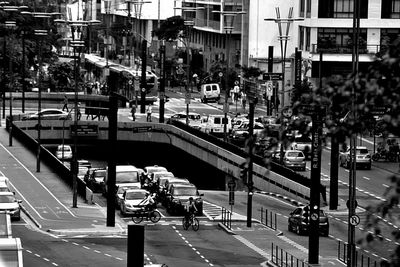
(78, 111)
(149, 110)
(243, 96)
(133, 111)
(65, 103)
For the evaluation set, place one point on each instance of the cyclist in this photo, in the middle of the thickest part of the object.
(148, 202)
(190, 208)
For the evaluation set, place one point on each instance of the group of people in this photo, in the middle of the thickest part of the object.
(149, 111)
(238, 95)
(78, 107)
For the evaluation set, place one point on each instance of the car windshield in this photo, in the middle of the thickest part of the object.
(163, 174)
(7, 199)
(101, 173)
(66, 148)
(134, 195)
(185, 191)
(194, 117)
(156, 169)
(303, 139)
(82, 171)
(295, 154)
(127, 177)
(362, 151)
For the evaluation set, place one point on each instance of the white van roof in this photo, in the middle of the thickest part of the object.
(126, 168)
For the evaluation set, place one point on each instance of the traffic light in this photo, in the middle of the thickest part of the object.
(306, 214)
(243, 172)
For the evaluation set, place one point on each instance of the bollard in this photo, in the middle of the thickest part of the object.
(135, 245)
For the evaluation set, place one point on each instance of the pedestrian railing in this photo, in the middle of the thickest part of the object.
(361, 258)
(226, 218)
(268, 218)
(281, 258)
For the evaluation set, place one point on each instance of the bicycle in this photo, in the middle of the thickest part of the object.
(192, 221)
(152, 215)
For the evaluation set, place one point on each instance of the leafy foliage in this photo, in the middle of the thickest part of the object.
(170, 29)
(251, 72)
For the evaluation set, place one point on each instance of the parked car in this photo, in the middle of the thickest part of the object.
(179, 195)
(363, 158)
(292, 159)
(302, 143)
(210, 91)
(10, 204)
(95, 179)
(298, 221)
(119, 195)
(131, 200)
(64, 152)
(82, 171)
(47, 114)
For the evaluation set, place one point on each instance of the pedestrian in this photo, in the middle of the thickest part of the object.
(149, 110)
(133, 111)
(236, 91)
(243, 96)
(78, 111)
(65, 103)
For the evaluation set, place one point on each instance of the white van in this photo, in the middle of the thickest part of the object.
(214, 124)
(126, 175)
(210, 91)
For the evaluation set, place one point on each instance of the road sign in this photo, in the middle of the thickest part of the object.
(130, 82)
(143, 90)
(379, 111)
(269, 76)
(220, 74)
(354, 220)
(187, 97)
(231, 185)
(269, 88)
(314, 216)
(231, 197)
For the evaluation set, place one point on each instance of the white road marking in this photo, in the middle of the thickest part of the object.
(385, 185)
(366, 178)
(45, 188)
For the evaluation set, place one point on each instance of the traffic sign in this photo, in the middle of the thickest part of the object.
(354, 220)
(379, 111)
(269, 76)
(314, 216)
(231, 184)
(220, 74)
(231, 197)
(143, 90)
(130, 82)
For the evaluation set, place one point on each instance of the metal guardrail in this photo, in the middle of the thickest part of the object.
(281, 258)
(361, 259)
(268, 218)
(226, 218)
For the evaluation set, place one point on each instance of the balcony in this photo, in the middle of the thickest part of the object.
(215, 25)
(347, 49)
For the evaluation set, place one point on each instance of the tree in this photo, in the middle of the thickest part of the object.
(379, 86)
(171, 29)
(62, 74)
(251, 72)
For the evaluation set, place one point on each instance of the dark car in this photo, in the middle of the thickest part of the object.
(298, 221)
(165, 186)
(95, 179)
(179, 195)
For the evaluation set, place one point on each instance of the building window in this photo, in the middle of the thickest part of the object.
(302, 7)
(308, 11)
(341, 8)
(340, 40)
(390, 9)
(301, 38)
(388, 36)
(308, 38)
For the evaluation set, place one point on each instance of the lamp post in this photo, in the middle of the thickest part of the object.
(283, 39)
(11, 25)
(189, 25)
(138, 5)
(228, 20)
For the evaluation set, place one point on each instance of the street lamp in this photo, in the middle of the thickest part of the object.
(283, 38)
(138, 5)
(228, 20)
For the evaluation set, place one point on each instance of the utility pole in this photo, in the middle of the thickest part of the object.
(162, 81)
(143, 82)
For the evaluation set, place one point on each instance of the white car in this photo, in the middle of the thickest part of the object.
(194, 118)
(214, 124)
(4, 187)
(119, 196)
(64, 152)
(47, 114)
(10, 204)
(131, 201)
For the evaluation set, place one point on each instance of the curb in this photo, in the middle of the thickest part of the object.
(31, 217)
(226, 229)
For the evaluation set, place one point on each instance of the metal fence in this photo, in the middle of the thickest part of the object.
(282, 258)
(268, 218)
(361, 259)
(226, 218)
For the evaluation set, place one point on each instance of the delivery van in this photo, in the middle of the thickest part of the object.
(210, 91)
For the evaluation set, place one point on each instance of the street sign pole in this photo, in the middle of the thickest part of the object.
(162, 82)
